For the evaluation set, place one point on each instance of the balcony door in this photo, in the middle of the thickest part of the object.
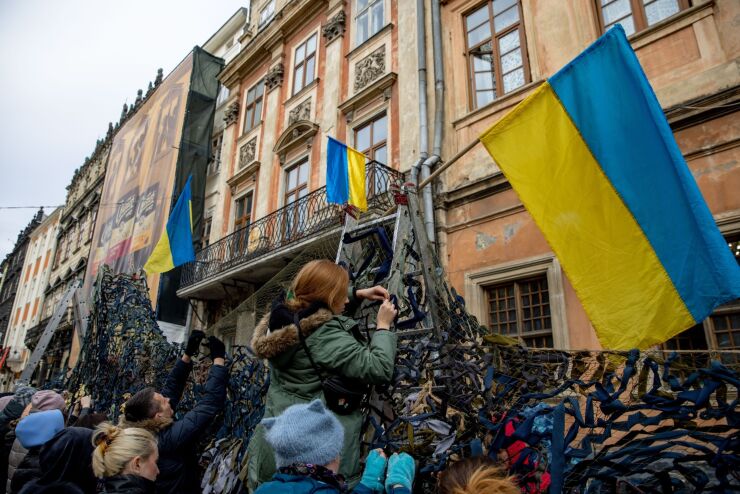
(296, 188)
(242, 220)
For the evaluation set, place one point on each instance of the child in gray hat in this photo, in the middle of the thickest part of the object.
(308, 440)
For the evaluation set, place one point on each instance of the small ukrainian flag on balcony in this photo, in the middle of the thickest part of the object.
(175, 247)
(345, 175)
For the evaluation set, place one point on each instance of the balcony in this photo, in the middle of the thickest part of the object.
(253, 253)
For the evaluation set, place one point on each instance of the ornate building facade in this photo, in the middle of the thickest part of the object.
(306, 70)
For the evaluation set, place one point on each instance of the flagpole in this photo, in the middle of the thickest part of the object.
(445, 165)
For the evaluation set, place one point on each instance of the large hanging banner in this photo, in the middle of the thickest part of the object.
(166, 140)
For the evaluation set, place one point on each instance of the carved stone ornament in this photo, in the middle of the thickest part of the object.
(274, 77)
(300, 112)
(335, 27)
(370, 68)
(247, 152)
(231, 115)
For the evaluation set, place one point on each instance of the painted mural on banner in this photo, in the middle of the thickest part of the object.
(138, 188)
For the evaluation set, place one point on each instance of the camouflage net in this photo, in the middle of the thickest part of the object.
(571, 421)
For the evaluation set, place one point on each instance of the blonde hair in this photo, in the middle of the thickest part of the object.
(479, 475)
(115, 447)
(319, 281)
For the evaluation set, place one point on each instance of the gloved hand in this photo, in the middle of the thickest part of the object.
(191, 349)
(372, 477)
(218, 349)
(401, 470)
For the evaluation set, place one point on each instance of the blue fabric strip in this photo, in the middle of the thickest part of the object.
(609, 99)
(337, 174)
(180, 228)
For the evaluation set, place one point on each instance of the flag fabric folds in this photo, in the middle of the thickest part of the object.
(595, 163)
(175, 247)
(345, 175)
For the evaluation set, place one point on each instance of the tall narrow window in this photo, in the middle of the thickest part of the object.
(253, 108)
(304, 64)
(296, 187)
(497, 58)
(521, 309)
(266, 13)
(369, 19)
(242, 211)
(206, 235)
(636, 15)
(215, 164)
(372, 140)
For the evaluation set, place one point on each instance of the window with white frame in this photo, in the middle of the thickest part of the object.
(266, 13)
(369, 19)
(304, 64)
(223, 95)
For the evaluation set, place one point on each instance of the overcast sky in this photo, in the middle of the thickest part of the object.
(67, 67)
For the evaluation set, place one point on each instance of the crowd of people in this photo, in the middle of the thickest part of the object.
(321, 369)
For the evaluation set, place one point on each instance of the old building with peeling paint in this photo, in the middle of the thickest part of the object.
(498, 52)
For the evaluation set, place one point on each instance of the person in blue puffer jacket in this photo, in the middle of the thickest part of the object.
(307, 440)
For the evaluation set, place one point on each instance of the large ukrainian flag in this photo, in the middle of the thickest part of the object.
(594, 161)
(345, 175)
(175, 247)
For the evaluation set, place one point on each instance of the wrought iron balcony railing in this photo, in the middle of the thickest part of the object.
(299, 220)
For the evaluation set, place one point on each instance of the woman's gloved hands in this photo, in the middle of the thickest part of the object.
(374, 473)
(401, 471)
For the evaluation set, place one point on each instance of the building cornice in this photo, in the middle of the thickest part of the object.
(259, 48)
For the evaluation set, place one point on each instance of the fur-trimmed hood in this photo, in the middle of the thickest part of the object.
(269, 343)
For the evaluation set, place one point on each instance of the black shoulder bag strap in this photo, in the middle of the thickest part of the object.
(297, 322)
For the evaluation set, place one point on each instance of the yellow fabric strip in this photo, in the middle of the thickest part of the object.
(622, 285)
(357, 194)
(161, 259)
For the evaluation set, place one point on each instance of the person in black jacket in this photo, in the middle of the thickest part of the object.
(66, 459)
(177, 440)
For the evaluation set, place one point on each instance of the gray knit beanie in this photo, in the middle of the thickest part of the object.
(308, 434)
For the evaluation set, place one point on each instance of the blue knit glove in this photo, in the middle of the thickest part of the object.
(401, 470)
(372, 477)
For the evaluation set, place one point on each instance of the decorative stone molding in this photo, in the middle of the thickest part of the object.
(370, 68)
(274, 77)
(335, 27)
(231, 115)
(382, 87)
(299, 134)
(247, 152)
(300, 112)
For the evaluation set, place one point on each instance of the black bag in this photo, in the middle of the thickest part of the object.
(343, 395)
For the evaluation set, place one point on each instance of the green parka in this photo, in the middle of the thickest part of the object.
(336, 347)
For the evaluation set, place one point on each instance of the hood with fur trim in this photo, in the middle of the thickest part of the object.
(269, 343)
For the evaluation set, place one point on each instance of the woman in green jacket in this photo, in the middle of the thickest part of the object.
(334, 342)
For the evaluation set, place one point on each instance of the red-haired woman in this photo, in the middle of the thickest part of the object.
(329, 347)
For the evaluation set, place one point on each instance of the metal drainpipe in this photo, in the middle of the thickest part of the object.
(439, 88)
(421, 47)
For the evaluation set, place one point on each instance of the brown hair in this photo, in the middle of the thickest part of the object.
(478, 475)
(319, 281)
(141, 406)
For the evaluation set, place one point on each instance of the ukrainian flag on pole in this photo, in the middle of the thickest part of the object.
(345, 175)
(175, 247)
(594, 161)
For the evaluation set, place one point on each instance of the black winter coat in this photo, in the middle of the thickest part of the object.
(128, 484)
(179, 472)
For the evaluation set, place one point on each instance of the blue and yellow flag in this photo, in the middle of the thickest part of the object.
(175, 247)
(595, 163)
(345, 175)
